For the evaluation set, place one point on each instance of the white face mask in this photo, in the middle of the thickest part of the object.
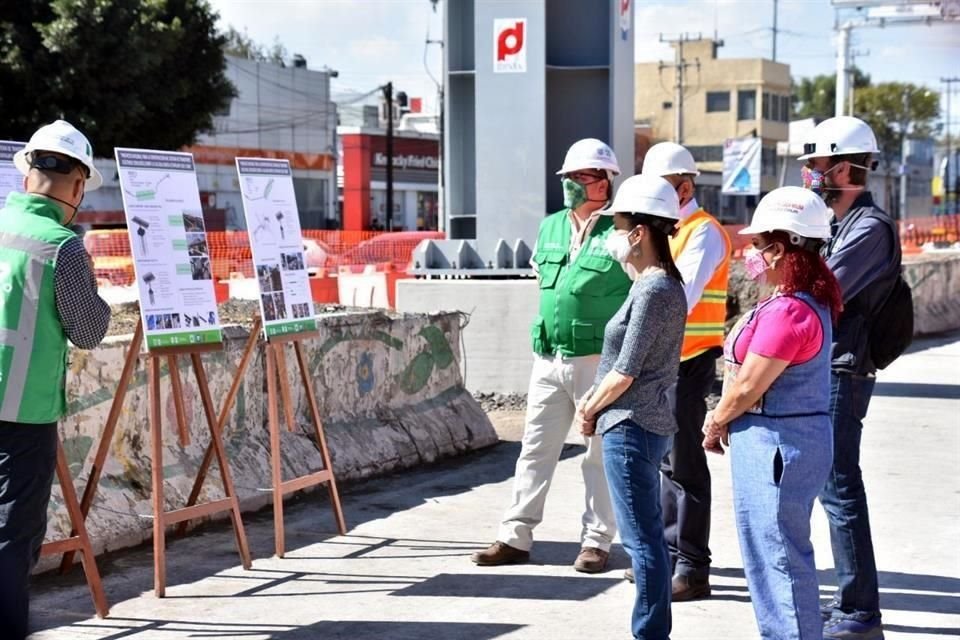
(619, 247)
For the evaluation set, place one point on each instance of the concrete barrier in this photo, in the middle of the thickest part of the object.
(390, 393)
(935, 280)
(497, 340)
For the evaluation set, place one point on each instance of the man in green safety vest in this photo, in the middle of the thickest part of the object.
(581, 287)
(48, 294)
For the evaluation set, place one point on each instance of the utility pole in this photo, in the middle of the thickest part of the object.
(903, 159)
(388, 97)
(775, 30)
(680, 66)
(851, 102)
(843, 68)
(950, 169)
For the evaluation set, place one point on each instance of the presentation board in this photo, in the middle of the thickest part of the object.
(10, 177)
(168, 242)
(276, 242)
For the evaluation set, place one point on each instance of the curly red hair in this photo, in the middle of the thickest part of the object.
(806, 271)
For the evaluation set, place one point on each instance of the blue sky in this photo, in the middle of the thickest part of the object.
(372, 41)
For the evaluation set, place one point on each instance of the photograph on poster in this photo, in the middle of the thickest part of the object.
(269, 276)
(151, 322)
(200, 269)
(192, 222)
(281, 305)
(291, 261)
(269, 309)
(197, 244)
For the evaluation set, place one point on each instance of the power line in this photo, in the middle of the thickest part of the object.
(679, 66)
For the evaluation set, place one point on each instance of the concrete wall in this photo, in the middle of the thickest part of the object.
(497, 340)
(935, 280)
(497, 343)
(390, 394)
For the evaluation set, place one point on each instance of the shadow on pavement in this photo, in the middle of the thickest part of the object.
(520, 587)
(353, 629)
(923, 343)
(208, 550)
(943, 600)
(917, 390)
(935, 631)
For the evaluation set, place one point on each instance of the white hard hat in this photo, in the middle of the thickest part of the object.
(61, 137)
(651, 195)
(839, 136)
(669, 159)
(589, 153)
(793, 209)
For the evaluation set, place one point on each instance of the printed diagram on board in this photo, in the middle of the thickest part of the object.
(143, 190)
(252, 190)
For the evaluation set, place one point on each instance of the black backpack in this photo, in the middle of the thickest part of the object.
(891, 331)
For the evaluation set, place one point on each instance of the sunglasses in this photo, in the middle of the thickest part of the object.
(57, 164)
(584, 178)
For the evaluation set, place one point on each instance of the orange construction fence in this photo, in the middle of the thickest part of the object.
(330, 251)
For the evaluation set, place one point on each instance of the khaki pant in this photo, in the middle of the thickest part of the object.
(556, 386)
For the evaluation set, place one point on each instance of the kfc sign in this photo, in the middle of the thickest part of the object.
(510, 45)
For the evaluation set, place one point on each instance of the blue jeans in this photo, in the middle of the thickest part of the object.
(631, 460)
(778, 466)
(28, 459)
(845, 501)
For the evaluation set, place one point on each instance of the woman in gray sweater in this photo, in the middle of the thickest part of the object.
(630, 402)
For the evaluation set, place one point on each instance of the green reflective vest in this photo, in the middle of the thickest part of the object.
(577, 298)
(33, 346)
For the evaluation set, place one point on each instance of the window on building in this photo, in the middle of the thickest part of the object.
(747, 104)
(785, 108)
(718, 101)
(707, 153)
(768, 161)
(766, 106)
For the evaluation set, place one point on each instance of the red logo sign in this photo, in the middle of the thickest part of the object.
(509, 45)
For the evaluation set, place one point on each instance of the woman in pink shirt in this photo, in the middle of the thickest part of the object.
(774, 412)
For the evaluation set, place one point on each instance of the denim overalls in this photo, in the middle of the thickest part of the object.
(781, 452)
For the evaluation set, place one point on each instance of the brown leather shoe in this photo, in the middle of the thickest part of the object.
(500, 553)
(629, 577)
(591, 560)
(686, 588)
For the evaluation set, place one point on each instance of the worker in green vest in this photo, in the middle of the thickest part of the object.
(581, 287)
(48, 294)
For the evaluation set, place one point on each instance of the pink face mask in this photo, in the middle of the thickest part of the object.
(756, 265)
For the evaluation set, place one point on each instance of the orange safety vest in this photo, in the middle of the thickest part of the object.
(705, 323)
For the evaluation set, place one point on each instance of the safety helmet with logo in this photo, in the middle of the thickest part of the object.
(650, 196)
(63, 138)
(590, 153)
(798, 211)
(669, 159)
(840, 136)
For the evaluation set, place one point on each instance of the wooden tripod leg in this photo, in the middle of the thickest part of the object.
(106, 438)
(80, 528)
(176, 388)
(321, 440)
(274, 424)
(159, 511)
(222, 462)
(222, 419)
(285, 394)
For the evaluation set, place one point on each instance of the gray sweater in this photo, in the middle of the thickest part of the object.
(643, 340)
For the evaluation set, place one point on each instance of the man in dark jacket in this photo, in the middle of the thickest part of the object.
(864, 254)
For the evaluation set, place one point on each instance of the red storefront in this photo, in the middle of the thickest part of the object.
(416, 162)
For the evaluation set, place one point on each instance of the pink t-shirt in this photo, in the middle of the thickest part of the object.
(785, 328)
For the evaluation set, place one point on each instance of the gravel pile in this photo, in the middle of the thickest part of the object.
(501, 401)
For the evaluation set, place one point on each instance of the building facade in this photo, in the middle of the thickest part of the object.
(279, 112)
(363, 171)
(723, 98)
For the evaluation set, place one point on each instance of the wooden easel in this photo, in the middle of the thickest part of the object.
(276, 372)
(161, 517)
(78, 540)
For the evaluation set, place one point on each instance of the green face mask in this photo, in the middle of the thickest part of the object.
(574, 194)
